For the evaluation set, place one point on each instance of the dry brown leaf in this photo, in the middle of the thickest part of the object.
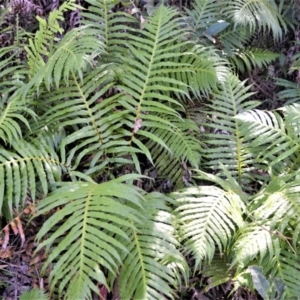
(38, 258)
(14, 227)
(21, 232)
(5, 253)
(27, 211)
(6, 237)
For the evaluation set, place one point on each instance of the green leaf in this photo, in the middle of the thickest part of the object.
(260, 282)
(216, 28)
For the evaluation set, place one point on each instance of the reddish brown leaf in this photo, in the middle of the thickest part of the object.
(21, 232)
(103, 292)
(6, 237)
(5, 253)
(14, 227)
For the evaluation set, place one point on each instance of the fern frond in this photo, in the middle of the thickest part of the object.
(12, 119)
(149, 267)
(290, 91)
(185, 146)
(41, 46)
(72, 54)
(282, 267)
(207, 69)
(34, 294)
(19, 168)
(253, 243)
(148, 92)
(265, 241)
(209, 218)
(233, 38)
(280, 205)
(10, 66)
(261, 14)
(95, 132)
(288, 271)
(204, 12)
(225, 142)
(146, 89)
(112, 215)
(217, 271)
(249, 59)
(109, 26)
(271, 139)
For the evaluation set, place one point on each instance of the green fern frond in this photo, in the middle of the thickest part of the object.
(109, 26)
(12, 119)
(94, 131)
(289, 272)
(209, 218)
(10, 66)
(281, 207)
(143, 243)
(283, 267)
(34, 294)
(253, 243)
(261, 14)
(148, 92)
(249, 59)
(185, 150)
(207, 69)
(290, 92)
(295, 60)
(233, 38)
(72, 54)
(225, 142)
(291, 115)
(271, 139)
(146, 89)
(149, 267)
(271, 237)
(204, 12)
(218, 271)
(19, 169)
(41, 47)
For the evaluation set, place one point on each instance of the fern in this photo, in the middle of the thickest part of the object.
(9, 69)
(234, 38)
(185, 151)
(225, 141)
(90, 102)
(11, 116)
(42, 45)
(272, 138)
(34, 294)
(265, 241)
(257, 14)
(149, 268)
(19, 168)
(109, 215)
(154, 56)
(75, 51)
(206, 70)
(262, 239)
(204, 12)
(249, 59)
(290, 93)
(109, 27)
(209, 217)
